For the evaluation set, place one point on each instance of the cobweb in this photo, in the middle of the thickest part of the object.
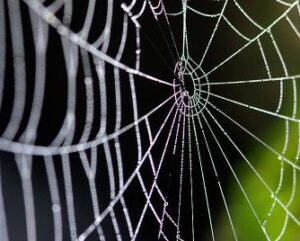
(129, 120)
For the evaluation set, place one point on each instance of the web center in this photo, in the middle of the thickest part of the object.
(188, 84)
(191, 87)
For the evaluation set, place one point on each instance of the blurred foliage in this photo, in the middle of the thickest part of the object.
(274, 218)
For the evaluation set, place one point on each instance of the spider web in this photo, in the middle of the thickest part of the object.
(125, 120)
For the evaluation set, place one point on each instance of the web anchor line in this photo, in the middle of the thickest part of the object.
(64, 31)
